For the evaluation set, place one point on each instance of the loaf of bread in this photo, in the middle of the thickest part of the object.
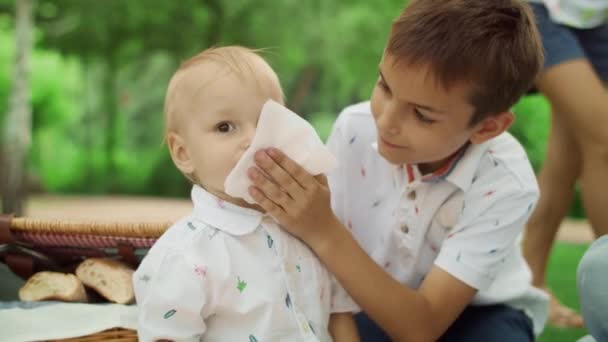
(53, 286)
(110, 278)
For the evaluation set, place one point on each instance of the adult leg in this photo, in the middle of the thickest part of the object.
(557, 179)
(577, 95)
(562, 166)
(574, 89)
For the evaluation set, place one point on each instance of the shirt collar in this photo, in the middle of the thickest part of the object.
(224, 216)
(450, 164)
(458, 169)
(463, 173)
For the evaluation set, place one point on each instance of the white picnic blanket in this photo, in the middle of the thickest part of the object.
(23, 321)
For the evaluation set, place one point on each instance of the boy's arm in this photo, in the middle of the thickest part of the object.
(342, 328)
(300, 202)
(405, 314)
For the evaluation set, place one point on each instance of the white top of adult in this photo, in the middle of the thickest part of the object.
(583, 14)
(228, 273)
(466, 218)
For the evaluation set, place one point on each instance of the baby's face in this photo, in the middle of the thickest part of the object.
(220, 122)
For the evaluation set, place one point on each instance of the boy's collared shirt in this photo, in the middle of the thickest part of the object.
(227, 273)
(465, 218)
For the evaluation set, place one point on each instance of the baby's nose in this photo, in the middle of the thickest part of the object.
(248, 138)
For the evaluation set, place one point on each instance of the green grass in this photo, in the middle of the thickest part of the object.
(562, 280)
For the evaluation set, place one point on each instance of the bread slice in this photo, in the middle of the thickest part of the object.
(110, 278)
(53, 286)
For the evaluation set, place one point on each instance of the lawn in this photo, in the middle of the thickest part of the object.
(562, 280)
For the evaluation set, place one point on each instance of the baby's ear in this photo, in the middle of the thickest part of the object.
(179, 153)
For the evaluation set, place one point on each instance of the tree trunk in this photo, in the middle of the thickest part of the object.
(214, 28)
(110, 106)
(303, 86)
(88, 121)
(17, 135)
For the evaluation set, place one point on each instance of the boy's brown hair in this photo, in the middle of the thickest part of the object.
(493, 45)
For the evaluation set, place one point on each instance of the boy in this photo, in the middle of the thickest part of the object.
(227, 272)
(430, 185)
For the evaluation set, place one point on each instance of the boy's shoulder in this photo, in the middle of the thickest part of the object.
(355, 123)
(355, 114)
(361, 108)
(500, 163)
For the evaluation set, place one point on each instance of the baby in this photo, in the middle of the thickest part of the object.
(227, 271)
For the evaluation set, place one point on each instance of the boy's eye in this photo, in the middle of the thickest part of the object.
(383, 85)
(225, 127)
(422, 118)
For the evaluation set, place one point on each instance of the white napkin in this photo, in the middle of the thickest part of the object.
(53, 320)
(283, 129)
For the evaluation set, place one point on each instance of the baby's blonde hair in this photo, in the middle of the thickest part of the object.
(237, 59)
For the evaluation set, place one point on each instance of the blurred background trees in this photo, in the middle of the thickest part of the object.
(99, 70)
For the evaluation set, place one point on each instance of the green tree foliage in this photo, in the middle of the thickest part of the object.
(55, 83)
(101, 69)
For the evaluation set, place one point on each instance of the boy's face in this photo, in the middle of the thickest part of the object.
(418, 121)
(219, 122)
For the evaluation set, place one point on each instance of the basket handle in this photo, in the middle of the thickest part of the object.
(42, 226)
(5, 229)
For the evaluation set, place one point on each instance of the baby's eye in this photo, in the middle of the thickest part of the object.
(225, 127)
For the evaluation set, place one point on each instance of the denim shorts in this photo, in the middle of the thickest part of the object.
(490, 323)
(563, 43)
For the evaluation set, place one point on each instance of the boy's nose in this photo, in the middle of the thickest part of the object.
(387, 122)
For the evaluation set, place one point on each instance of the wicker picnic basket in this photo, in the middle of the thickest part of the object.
(30, 245)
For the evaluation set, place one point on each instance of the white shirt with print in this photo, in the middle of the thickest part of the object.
(467, 218)
(227, 273)
(582, 14)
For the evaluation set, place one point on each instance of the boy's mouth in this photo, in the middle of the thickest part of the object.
(391, 145)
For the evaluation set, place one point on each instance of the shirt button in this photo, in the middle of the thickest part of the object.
(405, 228)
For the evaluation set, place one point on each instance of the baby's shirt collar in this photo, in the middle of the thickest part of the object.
(222, 215)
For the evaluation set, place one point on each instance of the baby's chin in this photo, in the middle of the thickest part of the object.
(242, 203)
(236, 201)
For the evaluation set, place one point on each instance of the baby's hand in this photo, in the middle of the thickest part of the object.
(297, 200)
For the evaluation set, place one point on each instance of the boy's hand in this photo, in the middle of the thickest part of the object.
(296, 199)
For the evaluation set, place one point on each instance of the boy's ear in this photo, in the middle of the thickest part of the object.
(179, 153)
(491, 127)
